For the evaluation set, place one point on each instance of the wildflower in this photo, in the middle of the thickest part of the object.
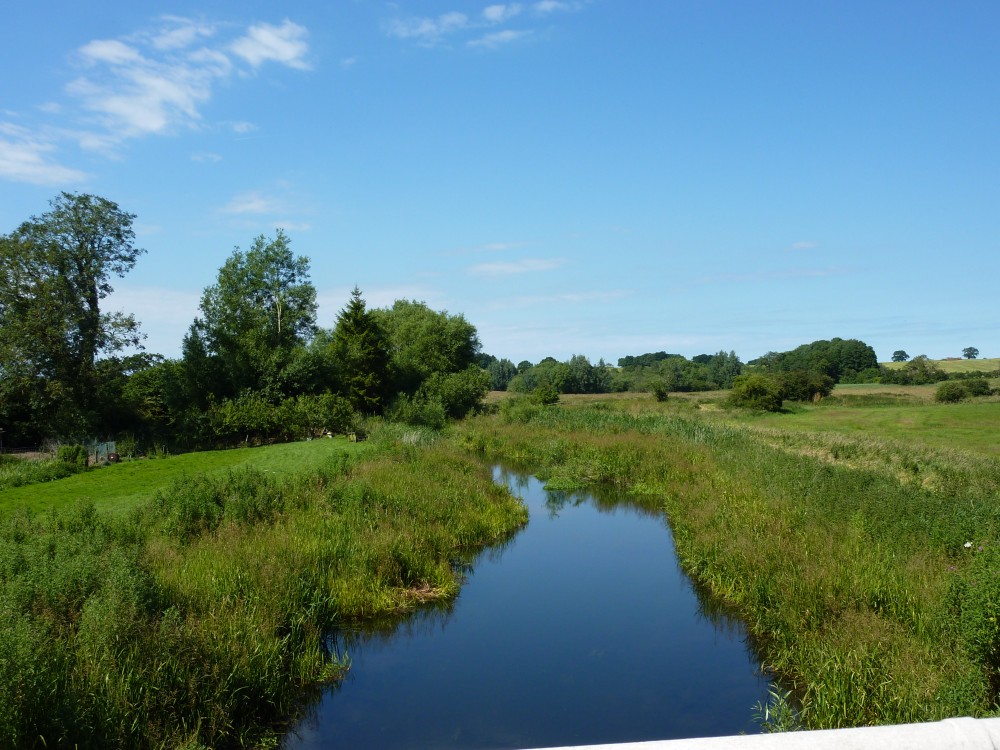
(968, 545)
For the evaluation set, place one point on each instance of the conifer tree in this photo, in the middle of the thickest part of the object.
(362, 355)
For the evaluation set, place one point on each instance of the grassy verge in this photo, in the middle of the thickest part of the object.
(863, 567)
(198, 619)
(118, 487)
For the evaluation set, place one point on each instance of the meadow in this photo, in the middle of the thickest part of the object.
(864, 566)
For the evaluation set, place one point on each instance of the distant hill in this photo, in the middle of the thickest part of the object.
(953, 364)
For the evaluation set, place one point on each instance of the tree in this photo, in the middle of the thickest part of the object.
(54, 271)
(260, 309)
(361, 350)
(970, 352)
(423, 342)
(900, 356)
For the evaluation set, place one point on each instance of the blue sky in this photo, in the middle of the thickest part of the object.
(574, 176)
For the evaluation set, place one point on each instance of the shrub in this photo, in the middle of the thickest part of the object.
(74, 456)
(951, 392)
(660, 390)
(545, 395)
(804, 385)
(757, 392)
(977, 387)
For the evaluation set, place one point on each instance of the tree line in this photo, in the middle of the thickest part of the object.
(255, 364)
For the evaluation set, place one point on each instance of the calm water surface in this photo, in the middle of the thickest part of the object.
(581, 630)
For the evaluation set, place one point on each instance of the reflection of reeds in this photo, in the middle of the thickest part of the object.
(201, 619)
(843, 555)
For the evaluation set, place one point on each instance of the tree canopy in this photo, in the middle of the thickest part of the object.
(260, 309)
(55, 269)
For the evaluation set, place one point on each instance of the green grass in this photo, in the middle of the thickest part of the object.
(200, 618)
(903, 413)
(118, 487)
(957, 365)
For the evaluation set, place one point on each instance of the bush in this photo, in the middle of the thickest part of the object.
(660, 390)
(951, 392)
(803, 385)
(977, 387)
(545, 395)
(757, 392)
(74, 456)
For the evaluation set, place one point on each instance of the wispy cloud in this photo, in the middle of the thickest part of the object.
(544, 7)
(500, 12)
(499, 38)
(806, 245)
(155, 81)
(527, 265)
(430, 31)
(285, 44)
(205, 157)
(253, 202)
(26, 157)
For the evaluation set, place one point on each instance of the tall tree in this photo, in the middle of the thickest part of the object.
(54, 271)
(970, 352)
(362, 355)
(260, 309)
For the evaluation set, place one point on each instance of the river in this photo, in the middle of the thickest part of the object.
(580, 630)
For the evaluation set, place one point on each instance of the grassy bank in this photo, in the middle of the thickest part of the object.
(118, 487)
(197, 619)
(863, 567)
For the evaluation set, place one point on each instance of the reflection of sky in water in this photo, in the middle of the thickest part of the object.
(580, 630)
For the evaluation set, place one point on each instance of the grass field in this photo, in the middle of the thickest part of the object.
(957, 365)
(117, 487)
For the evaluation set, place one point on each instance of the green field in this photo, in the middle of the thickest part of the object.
(894, 412)
(117, 487)
(957, 365)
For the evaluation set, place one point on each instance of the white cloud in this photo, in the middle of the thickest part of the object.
(284, 44)
(163, 85)
(550, 6)
(26, 158)
(206, 157)
(427, 30)
(252, 202)
(809, 245)
(496, 39)
(528, 265)
(500, 13)
(180, 32)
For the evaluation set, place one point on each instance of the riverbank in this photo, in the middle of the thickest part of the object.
(198, 619)
(863, 568)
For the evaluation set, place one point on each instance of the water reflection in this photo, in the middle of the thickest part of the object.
(579, 630)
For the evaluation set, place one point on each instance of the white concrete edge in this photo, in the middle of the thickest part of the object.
(950, 734)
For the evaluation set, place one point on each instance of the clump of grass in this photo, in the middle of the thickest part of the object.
(18, 472)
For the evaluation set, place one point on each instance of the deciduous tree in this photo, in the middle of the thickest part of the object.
(55, 270)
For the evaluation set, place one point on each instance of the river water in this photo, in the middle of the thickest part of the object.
(580, 630)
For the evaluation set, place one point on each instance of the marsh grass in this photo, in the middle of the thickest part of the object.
(200, 618)
(845, 556)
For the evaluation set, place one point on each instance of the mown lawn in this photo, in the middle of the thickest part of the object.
(118, 487)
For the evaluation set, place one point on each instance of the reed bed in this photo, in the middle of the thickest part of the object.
(864, 569)
(200, 620)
